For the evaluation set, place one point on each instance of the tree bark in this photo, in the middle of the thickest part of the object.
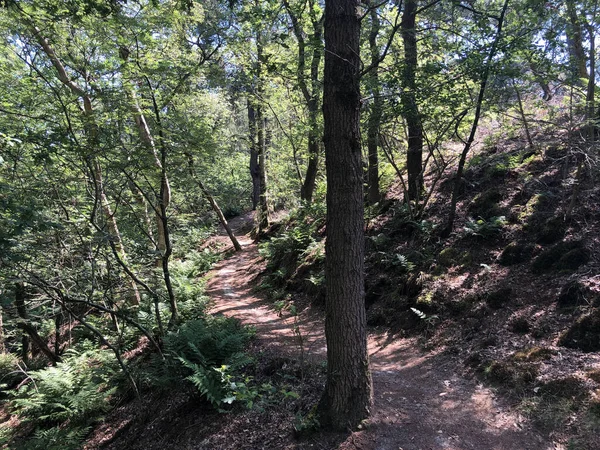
(214, 205)
(375, 114)
(575, 41)
(310, 93)
(348, 391)
(261, 141)
(414, 156)
(254, 168)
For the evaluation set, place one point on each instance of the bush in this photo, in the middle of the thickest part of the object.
(64, 400)
(299, 240)
(8, 368)
(77, 389)
(205, 352)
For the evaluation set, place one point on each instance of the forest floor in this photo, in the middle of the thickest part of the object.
(421, 399)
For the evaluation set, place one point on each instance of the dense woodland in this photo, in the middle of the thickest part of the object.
(424, 169)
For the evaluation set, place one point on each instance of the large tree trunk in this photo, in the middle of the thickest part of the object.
(348, 391)
(414, 156)
(375, 113)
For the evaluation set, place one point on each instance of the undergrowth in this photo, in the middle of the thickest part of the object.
(298, 244)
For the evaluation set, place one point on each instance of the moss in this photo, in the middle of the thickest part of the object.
(584, 334)
(452, 257)
(534, 354)
(571, 295)
(552, 230)
(509, 372)
(564, 256)
(537, 210)
(515, 253)
(448, 257)
(498, 298)
(485, 205)
(573, 259)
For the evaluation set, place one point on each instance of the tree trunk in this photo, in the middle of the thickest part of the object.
(20, 296)
(311, 94)
(375, 113)
(414, 156)
(310, 178)
(92, 134)
(575, 41)
(261, 141)
(348, 391)
(254, 168)
(214, 205)
(30, 334)
(478, 109)
(2, 338)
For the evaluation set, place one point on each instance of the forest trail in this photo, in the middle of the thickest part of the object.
(421, 400)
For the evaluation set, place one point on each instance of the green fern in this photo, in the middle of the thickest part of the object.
(57, 438)
(76, 389)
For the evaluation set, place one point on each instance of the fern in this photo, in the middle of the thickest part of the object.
(76, 389)
(57, 438)
(204, 352)
(484, 228)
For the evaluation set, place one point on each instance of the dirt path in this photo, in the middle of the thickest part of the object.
(421, 402)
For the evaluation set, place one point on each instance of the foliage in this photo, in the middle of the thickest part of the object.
(64, 400)
(297, 243)
(77, 389)
(8, 368)
(206, 352)
(484, 228)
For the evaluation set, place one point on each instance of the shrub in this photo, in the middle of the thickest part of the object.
(297, 243)
(205, 352)
(64, 400)
(485, 228)
(77, 389)
(8, 368)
